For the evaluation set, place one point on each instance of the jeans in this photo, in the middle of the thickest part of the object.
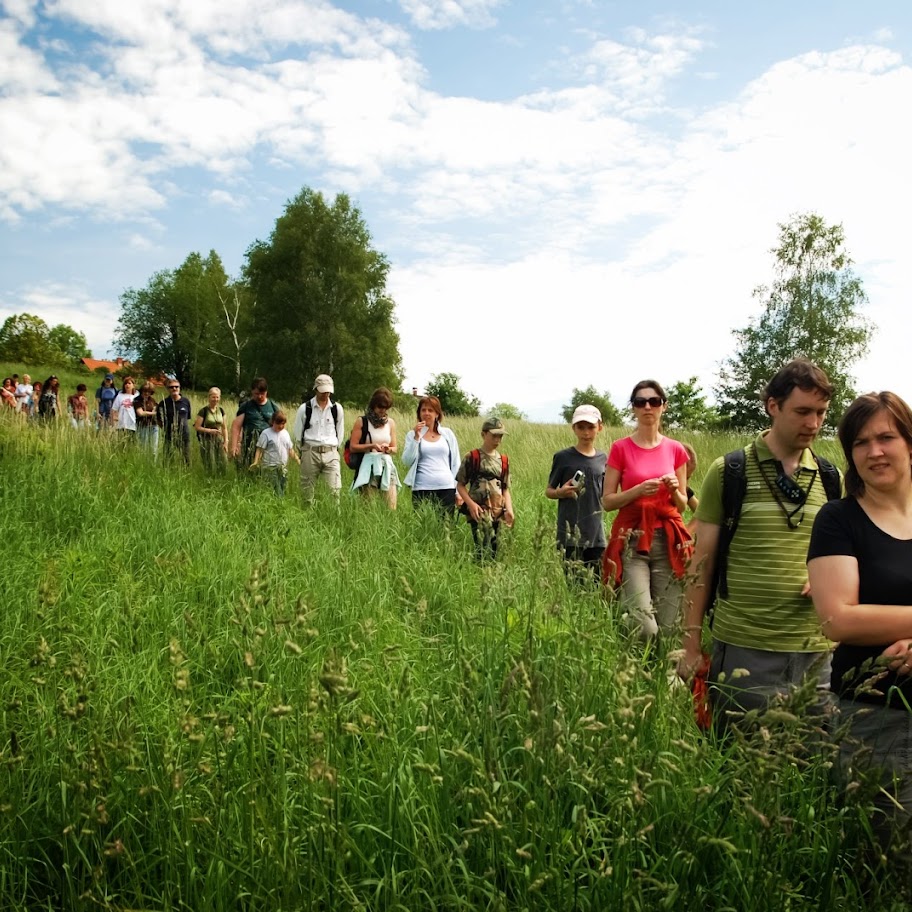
(148, 439)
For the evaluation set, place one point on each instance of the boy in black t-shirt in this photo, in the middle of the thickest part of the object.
(575, 482)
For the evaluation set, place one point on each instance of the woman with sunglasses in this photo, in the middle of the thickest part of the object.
(645, 481)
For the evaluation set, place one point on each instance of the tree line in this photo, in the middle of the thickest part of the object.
(811, 309)
(312, 298)
(24, 337)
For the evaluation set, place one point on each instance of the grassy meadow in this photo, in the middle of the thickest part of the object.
(214, 699)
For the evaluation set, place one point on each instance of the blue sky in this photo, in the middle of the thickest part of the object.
(570, 192)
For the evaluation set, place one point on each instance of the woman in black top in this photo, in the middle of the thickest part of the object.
(860, 572)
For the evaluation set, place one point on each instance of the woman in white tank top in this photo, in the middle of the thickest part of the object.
(377, 470)
(432, 454)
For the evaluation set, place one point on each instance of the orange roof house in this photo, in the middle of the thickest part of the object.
(112, 366)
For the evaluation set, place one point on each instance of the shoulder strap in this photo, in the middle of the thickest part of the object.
(308, 411)
(365, 429)
(504, 469)
(829, 477)
(734, 487)
(475, 462)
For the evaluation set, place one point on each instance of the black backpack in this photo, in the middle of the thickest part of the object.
(353, 460)
(734, 487)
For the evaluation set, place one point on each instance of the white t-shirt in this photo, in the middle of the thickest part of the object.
(23, 394)
(126, 414)
(275, 446)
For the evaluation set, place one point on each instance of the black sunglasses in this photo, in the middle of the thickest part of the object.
(173, 387)
(643, 401)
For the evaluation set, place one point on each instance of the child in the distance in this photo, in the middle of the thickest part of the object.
(273, 447)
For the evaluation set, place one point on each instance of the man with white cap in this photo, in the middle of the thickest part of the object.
(319, 429)
(575, 482)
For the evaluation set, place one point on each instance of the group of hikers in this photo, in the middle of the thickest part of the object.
(784, 564)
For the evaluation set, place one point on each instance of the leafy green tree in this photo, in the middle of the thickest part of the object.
(811, 310)
(688, 408)
(453, 399)
(507, 412)
(321, 302)
(611, 414)
(69, 342)
(175, 325)
(24, 337)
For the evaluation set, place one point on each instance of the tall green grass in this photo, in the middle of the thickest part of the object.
(215, 699)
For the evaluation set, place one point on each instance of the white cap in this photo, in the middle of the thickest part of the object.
(587, 413)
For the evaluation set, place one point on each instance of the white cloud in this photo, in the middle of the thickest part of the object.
(223, 198)
(56, 302)
(21, 67)
(23, 11)
(442, 14)
(140, 242)
(573, 206)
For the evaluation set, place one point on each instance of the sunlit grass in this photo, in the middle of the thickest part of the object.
(215, 699)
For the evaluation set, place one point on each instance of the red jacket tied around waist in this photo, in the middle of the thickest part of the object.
(641, 518)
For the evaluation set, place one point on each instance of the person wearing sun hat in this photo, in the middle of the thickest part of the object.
(319, 429)
(483, 483)
(576, 480)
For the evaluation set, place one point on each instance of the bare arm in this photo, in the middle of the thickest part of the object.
(834, 588)
(236, 426)
(475, 510)
(698, 594)
(392, 444)
(679, 494)
(613, 499)
(355, 445)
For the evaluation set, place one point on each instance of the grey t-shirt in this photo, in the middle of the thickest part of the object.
(585, 511)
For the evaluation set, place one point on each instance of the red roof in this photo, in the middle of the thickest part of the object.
(93, 364)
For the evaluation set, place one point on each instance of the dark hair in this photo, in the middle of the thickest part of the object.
(7, 380)
(47, 382)
(648, 384)
(278, 416)
(434, 403)
(259, 385)
(799, 372)
(81, 388)
(856, 416)
(381, 398)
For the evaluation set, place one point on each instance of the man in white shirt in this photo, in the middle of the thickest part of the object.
(319, 429)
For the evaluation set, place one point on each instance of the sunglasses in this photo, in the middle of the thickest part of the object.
(173, 387)
(643, 401)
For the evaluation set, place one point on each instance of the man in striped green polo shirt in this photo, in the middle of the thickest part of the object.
(767, 624)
